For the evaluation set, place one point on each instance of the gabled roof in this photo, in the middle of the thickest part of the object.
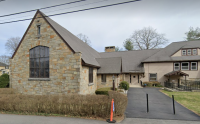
(109, 65)
(166, 53)
(77, 45)
(131, 60)
(2, 64)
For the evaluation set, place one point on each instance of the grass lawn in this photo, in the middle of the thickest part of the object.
(190, 100)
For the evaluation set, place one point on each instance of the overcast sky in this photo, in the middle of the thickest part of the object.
(107, 26)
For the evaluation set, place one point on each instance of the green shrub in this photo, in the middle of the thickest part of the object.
(104, 91)
(124, 85)
(152, 84)
(4, 81)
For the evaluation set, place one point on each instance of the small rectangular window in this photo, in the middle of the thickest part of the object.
(38, 29)
(185, 66)
(90, 75)
(193, 65)
(3, 72)
(103, 78)
(176, 66)
(189, 52)
(183, 52)
(152, 77)
(194, 51)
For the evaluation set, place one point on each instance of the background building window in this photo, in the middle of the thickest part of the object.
(153, 77)
(183, 52)
(185, 66)
(193, 65)
(176, 66)
(39, 62)
(103, 78)
(194, 51)
(189, 52)
(90, 75)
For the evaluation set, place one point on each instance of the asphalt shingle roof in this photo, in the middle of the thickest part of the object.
(2, 64)
(131, 60)
(109, 65)
(166, 53)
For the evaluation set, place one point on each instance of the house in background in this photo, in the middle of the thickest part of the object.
(51, 60)
(4, 68)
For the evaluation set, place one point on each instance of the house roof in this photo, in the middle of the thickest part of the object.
(166, 53)
(109, 65)
(2, 64)
(131, 60)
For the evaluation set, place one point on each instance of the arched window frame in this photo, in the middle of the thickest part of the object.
(39, 62)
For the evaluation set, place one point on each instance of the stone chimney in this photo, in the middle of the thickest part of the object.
(110, 49)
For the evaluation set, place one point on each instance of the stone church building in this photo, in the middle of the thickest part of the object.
(51, 60)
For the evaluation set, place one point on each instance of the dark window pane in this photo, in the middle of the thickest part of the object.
(42, 62)
(46, 52)
(32, 72)
(46, 72)
(32, 63)
(36, 72)
(37, 63)
(46, 62)
(32, 53)
(41, 72)
(37, 52)
(42, 51)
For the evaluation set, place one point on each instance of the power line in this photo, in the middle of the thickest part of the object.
(42, 8)
(59, 9)
(76, 11)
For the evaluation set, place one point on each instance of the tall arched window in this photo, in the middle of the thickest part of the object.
(39, 62)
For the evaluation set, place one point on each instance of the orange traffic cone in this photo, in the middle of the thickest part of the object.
(111, 113)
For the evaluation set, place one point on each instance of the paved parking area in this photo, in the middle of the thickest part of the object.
(160, 106)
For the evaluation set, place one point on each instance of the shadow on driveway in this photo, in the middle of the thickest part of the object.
(160, 106)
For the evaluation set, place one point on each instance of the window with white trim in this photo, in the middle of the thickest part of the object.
(189, 52)
(185, 66)
(152, 76)
(176, 66)
(194, 52)
(183, 52)
(193, 65)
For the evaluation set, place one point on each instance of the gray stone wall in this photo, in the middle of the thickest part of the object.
(85, 86)
(109, 81)
(65, 66)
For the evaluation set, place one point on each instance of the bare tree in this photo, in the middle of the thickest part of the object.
(84, 38)
(148, 38)
(193, 34)
(4, 59)
(117, 49)
(11, 44)
(128, 44)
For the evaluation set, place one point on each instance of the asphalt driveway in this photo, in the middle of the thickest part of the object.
(160, 106)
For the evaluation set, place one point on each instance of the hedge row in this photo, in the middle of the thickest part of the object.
(75, 105)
